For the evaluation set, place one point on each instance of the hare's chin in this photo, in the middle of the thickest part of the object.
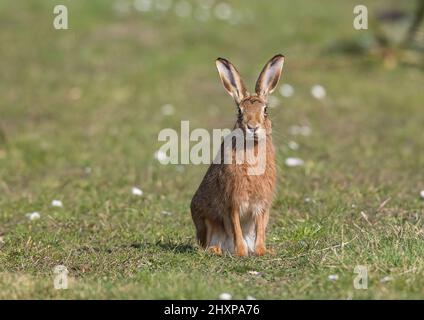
(251, 136)
(254, 137)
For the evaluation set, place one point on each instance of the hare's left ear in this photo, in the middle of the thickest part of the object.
(269, 76)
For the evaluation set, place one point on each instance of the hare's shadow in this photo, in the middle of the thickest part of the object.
(166, 246)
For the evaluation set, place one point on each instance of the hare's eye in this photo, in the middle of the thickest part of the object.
(266, 111)
(239, 113)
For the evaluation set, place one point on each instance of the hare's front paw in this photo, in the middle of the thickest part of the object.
(260, 250)
(241, 250)
(215, 249)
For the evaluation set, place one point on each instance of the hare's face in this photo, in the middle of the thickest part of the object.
(252, 109)
(253, 116)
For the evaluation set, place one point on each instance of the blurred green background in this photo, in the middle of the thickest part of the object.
(80, 111)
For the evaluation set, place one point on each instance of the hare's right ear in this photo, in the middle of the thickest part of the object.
(231, 80)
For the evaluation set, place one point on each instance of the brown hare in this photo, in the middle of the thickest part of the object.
(230, 209)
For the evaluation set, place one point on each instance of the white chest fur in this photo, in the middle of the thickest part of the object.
(250, 209)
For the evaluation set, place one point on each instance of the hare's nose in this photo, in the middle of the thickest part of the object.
(252, 127)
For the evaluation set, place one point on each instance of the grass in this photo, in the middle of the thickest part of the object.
(79, 119)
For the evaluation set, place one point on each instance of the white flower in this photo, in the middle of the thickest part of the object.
(166, 213)
(333, 277)
(293, 145)
(88, 170)
(33, 216)
(225, 296)
(183, 9)
(386, 279)
(254, 273)
(294, 162)
(286, 90)
(136, 191)
(57, 203)
(250, 298)
(223, 11)
(142, 5)
(300, 130)
(294, 130)
(422, 194)
(168, 109)
(318, 91)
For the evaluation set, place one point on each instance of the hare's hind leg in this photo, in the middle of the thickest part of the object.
(199, 223)
(213, 243)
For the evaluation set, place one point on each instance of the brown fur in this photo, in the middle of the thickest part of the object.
(230, 209)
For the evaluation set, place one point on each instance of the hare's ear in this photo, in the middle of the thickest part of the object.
(231, 80)
(269, 76)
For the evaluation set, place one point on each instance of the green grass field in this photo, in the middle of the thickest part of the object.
(80, 112)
